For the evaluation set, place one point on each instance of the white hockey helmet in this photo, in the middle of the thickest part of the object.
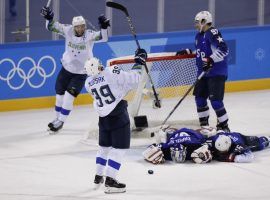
(93, 66)
(78, 20)
(202, 18)
(223, 143)
(178, 154)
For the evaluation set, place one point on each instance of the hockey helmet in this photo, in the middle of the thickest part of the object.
(93, 66)
(223, 143)
(202, 18)
(179, 153)
(78, 20)
(79, 25)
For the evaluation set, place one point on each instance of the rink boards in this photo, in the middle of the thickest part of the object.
(28, 70)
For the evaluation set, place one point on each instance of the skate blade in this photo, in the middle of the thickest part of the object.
(52, 132)
(112, 190)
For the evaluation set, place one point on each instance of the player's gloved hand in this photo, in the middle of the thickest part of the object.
(47, 13)
(207, 64)
(140, 56)
(238, 149)
(202, 155)
(103, 22)
(184, 52)
(154, 154)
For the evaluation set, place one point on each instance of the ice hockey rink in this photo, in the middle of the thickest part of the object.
(37, 166)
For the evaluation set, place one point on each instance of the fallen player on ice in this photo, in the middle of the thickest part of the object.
(201, 146)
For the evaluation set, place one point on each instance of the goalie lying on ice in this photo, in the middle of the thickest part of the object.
(187, 144)
(180, 145)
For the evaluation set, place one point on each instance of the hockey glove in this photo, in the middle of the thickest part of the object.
(239, 150)
(47, 13)
(201, 155)
(184, 52)
(103, 22)
(154, 154)
(140, 56)
(207, 64)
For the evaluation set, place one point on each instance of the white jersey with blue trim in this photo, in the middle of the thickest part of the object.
(77, 49)
(110, 87)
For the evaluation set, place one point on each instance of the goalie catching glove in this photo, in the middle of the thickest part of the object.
(202, 155)
(154, 154)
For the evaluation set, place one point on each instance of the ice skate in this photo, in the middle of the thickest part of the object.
(98, 181)
(56, 126)
(113, 186)
(50, 125)
(223, 127)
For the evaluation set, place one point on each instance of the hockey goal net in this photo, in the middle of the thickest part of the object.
(172, 76)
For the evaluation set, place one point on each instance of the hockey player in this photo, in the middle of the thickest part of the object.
(108, 87)
(78, 48)
(236, 147)
(180, 145)
(211, 57)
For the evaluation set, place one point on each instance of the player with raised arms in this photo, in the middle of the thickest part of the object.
(79, 43)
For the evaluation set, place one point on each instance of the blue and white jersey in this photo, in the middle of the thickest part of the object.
(184, 136)
(211, 44)
(238, 152)
(237, 138)
(110, 87)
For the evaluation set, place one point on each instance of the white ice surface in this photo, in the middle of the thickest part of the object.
(38, 166)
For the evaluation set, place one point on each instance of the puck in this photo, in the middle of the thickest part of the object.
(150, 171)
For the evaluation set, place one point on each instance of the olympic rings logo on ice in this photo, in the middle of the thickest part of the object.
(27, 77)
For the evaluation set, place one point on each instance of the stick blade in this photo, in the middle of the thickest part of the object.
(117, 6)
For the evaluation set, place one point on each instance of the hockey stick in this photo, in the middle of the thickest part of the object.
(124, 9)
(48, 3)
(180, 101)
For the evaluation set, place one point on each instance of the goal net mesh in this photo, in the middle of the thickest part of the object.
(172, 76)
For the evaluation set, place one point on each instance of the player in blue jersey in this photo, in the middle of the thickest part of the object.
(211, 57)
(236, 147)
(109, 86)
(179, 145)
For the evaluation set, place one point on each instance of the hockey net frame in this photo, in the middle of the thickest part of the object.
(144, 91)
(140, 100)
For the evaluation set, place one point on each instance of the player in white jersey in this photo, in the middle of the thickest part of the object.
(79, 43)
(109, 86)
